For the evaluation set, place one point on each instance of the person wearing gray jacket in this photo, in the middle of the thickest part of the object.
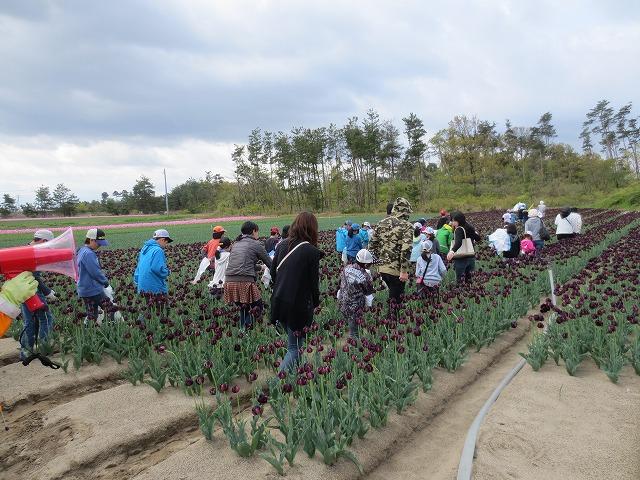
(534, 226)
(240, 287)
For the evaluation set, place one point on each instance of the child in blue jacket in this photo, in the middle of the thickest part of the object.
(353, 243)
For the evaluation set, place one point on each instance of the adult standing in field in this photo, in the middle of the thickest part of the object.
(576, 219)
(240, 287)
(41, 319)
(566, 225)
(296, 284)
(392, 247)
(93, 287)
(463, 264)
(536, 227)
(151, 272)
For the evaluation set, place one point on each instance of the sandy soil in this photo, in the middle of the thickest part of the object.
(436, 449)
(20, 384)
(548, 424)
(72, 422)
(215, 460)
(9, 351)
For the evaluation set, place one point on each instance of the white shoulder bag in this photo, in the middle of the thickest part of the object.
(466, 249)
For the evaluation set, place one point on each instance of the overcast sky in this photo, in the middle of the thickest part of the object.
(95, 93)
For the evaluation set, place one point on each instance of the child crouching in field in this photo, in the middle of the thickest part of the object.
(429, 271)
(356, 290)
(527, 247)
(216, 286)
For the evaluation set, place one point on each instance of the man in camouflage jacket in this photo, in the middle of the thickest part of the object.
(392, 247)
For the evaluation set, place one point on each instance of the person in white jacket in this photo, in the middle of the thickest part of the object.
(541, 209)
(576, 219)
(216, 286)
(568, 224)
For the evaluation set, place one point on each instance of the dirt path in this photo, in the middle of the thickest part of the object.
(548, 424)
(436, 448)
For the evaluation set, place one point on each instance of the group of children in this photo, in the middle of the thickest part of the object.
(216, 254)
(351, 238)
(356, 281)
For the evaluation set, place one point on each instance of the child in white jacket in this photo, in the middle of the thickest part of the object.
(216, 286)
(429, 271)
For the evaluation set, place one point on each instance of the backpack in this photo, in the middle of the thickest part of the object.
(544, 233)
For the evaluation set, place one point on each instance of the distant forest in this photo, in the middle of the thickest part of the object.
(368, 161)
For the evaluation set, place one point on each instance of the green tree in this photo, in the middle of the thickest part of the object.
(64, 201)
(29, 210)
(143, 196)
(43, 200)
(414, 154)
(8, 206)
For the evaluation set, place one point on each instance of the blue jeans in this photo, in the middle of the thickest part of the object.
(92, 304)
(290, 361)
(539, 244)
(45, 319)
(246, 317)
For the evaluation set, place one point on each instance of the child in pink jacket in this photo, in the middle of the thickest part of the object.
(527, 247)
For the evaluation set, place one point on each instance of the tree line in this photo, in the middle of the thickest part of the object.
(368, 161)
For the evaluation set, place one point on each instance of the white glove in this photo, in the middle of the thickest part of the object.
(368, 300)
(108, 291)
(51, 296)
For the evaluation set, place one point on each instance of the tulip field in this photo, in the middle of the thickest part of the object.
(209, 386)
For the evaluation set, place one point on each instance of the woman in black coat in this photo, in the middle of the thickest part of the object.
(296, 284)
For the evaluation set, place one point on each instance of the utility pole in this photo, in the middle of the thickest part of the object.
(166, 195)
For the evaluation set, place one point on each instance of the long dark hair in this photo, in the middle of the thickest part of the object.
(416, 231)
(459, 217)
(304, 229)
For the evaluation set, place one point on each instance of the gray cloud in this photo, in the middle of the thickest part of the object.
(148, 74)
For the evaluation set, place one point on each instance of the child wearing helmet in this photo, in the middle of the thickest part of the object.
(356, 290)
(429, 271)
